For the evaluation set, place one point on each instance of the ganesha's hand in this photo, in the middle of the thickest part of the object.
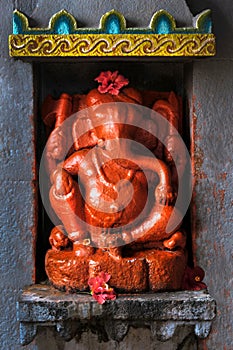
(177, 240)
(164, 195)
(58, 239)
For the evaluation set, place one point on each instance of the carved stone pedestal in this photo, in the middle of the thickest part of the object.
(72, 314)
(151, 270)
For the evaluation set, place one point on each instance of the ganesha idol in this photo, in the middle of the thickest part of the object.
(113, 187)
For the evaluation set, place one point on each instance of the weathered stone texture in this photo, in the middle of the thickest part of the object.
(16, 239)
(9, 332)
(16, 105)
(72, 314)
(6, 8)
(213, 192)
(16, 191)
(135, 340)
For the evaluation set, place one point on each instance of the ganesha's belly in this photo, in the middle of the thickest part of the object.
(118, 196)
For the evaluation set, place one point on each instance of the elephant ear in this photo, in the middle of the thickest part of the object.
(130, 95)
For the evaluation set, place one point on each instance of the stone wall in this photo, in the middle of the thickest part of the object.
(212, 106)
(210, 91)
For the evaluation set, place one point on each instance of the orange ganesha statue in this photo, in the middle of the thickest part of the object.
(98, 198)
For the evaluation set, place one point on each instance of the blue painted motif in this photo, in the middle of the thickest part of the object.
(112, 25)
(62, 26)
(64, 23)
(163, 25)
(17, 24)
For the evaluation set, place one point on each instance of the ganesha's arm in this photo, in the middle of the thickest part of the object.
(55, 149)
(55, 111)
(174, 147)
(66, 200)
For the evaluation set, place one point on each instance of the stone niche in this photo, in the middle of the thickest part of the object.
(152, 272)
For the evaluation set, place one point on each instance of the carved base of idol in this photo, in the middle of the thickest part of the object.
(144, 257)
(149, 270)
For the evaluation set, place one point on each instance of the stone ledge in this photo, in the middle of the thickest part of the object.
(72, 314)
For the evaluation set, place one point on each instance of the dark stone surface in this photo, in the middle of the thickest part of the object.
(213, 191)
(183, 339)
(17, 219)
(41, 304)
(16, 104)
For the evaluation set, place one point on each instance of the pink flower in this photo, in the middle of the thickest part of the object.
(111, 82)
(100, 290)
(102, 297)
(98, 283)
(192, 279)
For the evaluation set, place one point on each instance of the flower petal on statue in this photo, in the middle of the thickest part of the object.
(104, 77)
(111, 82)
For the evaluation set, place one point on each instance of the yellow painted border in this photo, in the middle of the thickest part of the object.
(104, 45)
